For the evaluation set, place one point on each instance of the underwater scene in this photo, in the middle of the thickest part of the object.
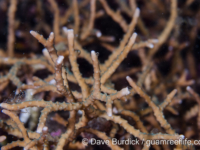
(99, 74)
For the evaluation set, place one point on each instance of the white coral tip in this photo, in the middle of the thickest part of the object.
(154, 40)
(93, 55)
(137, 12)
(188, 88)
(60, 59)
(182, 137)
(33, 33)
(134, 34)
(125, 91)
(70, 30)
(109, 112)
(150, 45)
(45, 128)
(45, 51)
(53, 82)
(128, 78)
(51, 33)
(64, 29)
(98, 34)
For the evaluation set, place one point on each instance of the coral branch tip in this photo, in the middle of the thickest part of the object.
(188, 88)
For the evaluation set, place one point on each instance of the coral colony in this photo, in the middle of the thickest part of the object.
(99, 74)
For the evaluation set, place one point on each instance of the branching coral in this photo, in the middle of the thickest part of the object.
(60, 90)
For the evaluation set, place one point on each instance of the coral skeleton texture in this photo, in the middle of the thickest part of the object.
(72, 72)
